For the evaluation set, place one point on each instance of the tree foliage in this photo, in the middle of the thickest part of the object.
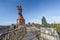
(36, 25)
(56, 25)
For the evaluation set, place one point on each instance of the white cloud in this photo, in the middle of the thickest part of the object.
(54, 19)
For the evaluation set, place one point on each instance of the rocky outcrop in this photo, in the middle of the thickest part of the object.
(14, 33)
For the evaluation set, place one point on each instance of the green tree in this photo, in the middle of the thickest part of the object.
(56, 26)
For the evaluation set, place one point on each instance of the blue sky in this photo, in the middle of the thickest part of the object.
(33, 11)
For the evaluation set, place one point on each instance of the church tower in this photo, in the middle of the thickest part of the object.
(20, 20)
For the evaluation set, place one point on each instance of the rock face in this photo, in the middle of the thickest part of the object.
(14, 33)
(44, 22)
(20, 19)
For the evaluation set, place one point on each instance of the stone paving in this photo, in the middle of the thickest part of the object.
(29, 36)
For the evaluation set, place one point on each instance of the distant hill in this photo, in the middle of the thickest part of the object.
(3, 28)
